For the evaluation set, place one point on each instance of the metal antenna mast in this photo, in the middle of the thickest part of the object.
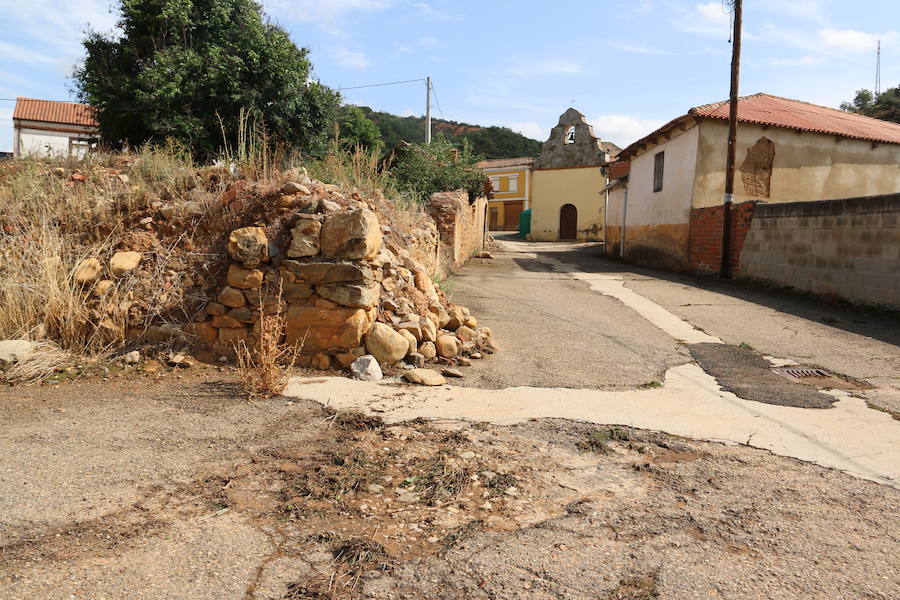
(878, 70)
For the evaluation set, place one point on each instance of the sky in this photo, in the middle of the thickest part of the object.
(628, 65)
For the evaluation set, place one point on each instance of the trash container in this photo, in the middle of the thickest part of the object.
(524, 223)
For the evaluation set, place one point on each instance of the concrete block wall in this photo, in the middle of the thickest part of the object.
(848, 248)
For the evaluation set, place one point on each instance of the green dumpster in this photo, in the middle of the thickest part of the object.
(525, 223)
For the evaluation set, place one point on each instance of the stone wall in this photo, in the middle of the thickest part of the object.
(846, 248)
(460, 226)
(349, 277)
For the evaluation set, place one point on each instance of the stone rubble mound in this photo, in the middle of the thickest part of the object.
(345, 283)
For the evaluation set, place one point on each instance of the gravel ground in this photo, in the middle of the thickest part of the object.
(119, 489)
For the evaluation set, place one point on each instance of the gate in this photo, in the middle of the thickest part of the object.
(568, 222)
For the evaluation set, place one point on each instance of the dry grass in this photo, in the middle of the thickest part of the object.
(43, 360)
(266, 367)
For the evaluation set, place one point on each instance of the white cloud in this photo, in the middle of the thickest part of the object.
(712, 12)
(18, 54)
(802, 61)
(546, 67)
(57, 27)
(432, 13)
(622, 129)
(640, 49)
(530, 129)
(351, 59)
(324, 12)
(852, 41)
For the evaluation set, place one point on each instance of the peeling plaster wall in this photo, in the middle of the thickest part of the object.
(807, 166)
(657, 228)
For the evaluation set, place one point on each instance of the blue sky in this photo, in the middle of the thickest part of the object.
(628, 65)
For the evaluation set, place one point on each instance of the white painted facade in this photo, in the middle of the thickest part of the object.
(48, 139)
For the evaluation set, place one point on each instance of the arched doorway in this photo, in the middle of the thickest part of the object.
(568, 222)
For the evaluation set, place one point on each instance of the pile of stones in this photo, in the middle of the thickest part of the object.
(344, 289)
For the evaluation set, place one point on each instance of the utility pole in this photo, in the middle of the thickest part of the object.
(725, 268)
(428, 110)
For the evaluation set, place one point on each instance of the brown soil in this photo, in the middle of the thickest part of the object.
(179, 488)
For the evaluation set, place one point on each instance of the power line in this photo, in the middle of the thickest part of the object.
(358, 87)
(436, 101)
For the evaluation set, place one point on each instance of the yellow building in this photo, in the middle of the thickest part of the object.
(511, 182)
(567, 196)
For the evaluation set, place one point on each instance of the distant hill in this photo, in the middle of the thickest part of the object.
(489, 142)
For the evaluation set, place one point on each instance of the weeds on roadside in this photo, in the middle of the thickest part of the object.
(265, 368)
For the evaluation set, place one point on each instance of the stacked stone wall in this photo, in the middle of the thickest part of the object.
(460, 225)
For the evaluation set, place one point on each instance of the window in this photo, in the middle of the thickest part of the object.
(658, 162)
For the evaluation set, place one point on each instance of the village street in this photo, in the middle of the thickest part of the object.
(590, 339)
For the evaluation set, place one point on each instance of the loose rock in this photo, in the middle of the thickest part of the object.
(249, 246)
(88, 270)
(447, 346)
(123, 263)
(366, 368)
(424, 377)
(385, 344)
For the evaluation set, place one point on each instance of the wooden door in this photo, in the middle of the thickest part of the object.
(494, 220)
(568, 222)
(511, 212)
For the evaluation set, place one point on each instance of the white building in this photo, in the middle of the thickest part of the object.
(50, 128)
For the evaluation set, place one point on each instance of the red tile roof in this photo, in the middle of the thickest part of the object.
(764, 109)
(617, 168)
(506, 162)
(51, 111)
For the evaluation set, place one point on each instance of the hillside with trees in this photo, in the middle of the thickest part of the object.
(488, 142)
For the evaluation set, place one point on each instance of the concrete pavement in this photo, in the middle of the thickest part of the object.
(849, 436)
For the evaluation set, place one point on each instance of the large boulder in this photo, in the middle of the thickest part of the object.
(458, 316)
(353, 234)
(325, 329)
(249, 246)
(366, 368)
(305, 238)
(428, 350)
(447, 346)
(123, 263)
(385, 344)
(330, 272)
(348, 294)
(410, 338)
(244, 279)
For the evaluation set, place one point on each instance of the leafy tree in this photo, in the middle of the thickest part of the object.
(358, 130)
(423, 169)
(186, 69)
(885, 106)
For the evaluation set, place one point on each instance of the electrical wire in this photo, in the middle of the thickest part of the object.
(358, 87)
(436, 101)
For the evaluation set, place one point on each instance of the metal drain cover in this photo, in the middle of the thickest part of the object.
(813, 376)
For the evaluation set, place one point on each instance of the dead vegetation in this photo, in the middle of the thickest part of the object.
(265, 368)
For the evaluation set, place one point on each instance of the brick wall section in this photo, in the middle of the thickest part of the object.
(706, 237)
(847, 248)
(460, 225)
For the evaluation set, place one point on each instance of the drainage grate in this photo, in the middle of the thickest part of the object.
(819, 378)
(801, 372)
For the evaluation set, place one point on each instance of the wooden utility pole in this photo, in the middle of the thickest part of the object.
(428, 110)
(725, 268)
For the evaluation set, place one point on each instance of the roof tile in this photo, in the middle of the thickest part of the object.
(51, 111)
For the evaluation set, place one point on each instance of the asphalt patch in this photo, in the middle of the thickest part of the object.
(748, 375)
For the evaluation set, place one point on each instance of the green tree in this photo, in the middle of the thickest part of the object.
(185, 69)
(423, 169)
(358, 130)
(886, 106)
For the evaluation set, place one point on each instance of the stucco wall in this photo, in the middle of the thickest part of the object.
(44, 143)
(552, 188)
(613, 235)
(848, 248)
(807, 166)
(657, 230)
